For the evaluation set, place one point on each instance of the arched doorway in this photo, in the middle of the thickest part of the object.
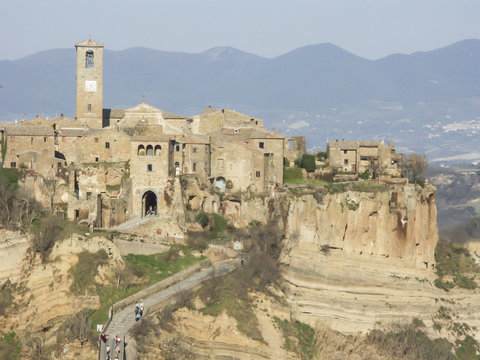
(149, 203)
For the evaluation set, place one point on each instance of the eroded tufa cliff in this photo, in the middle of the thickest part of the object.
(395, 221)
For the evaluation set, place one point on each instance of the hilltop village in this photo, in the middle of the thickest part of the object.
(215, 191)
(97, 151)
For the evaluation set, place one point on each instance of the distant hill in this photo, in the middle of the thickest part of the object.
(299, 85)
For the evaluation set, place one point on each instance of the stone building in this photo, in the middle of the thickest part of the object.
(124, 164)
(360, 156)
(89, 54)
(30, 147)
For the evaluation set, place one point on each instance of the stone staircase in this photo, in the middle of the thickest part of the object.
(154, 298)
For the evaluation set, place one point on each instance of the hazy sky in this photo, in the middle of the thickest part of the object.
(369, 28)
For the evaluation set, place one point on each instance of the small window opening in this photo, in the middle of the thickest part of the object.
(257, 174)
(344, 151)
(194, 149)
(107, 145)
(345, 161)
(44, 139)
(31, 140)
(96, 159)
(77, 214)
(177, 147)
(149, 167)
(96, 140)
(261, 145)
(89, 59)
(89, 195)
(149, 150)
(89, 108)
(194, 166)
(13, 164)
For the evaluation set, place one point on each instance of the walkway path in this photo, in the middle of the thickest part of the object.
(123, 321)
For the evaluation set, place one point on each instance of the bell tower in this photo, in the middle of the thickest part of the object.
(90, 83)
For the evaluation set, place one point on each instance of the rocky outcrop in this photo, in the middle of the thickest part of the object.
(391, 222)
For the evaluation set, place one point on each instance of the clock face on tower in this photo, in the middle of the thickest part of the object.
(90, 86)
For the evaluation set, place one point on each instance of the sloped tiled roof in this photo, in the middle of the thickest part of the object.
(77, 131)
(89, 43)
(192, 139)
(155, 138)
(251, 147)
(113, 113)
(27, 130)
(144, 107)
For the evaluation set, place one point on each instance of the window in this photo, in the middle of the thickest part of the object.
(31, 140)
(89, 195)
(89, 59)
(77, 214)
(149, 167)
(194, 149)
(177, 147)
(194, 167)
(344, 151)
(141, 150)
(261, 145)
(364, 158)
(158, 148)
(149, 150)
(107, 145)
(13, 164)
(96, 159)
(257, 174)
(44, 139)
(89, 108)
(235, 131)
(96, 140)
(345, 161)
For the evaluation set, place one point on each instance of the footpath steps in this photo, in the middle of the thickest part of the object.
(154, 299)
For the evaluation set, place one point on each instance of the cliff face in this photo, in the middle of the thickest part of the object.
(394, 222)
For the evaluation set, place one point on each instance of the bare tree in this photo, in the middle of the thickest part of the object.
(415, 166)
(50, 188)
(7, 198)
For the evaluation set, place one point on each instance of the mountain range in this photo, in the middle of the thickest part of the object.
(319, 88)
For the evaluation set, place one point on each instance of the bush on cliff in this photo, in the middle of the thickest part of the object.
(10, 346)
(409, 342)
(454, 262)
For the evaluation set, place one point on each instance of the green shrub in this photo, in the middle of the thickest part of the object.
(298, 162)
(229, 184)
(308, 162)
(321, 155)
(202, 219)
(10, 347)
(467, 349)
(455, 261)
(299, 337)
(219, 224)
(364, 175)
(10, 176)
(286, 162)
(408, 342)
(6, 297)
